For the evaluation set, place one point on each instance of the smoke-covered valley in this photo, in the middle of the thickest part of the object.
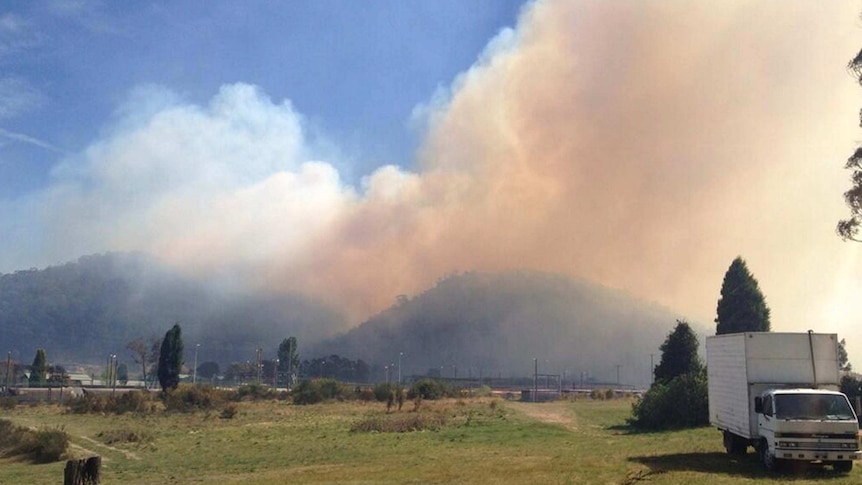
(491, 324)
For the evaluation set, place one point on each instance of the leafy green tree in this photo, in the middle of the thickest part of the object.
(678, 354)
(171, 358)
(843, 359)
(681, 402)
(39, 369)
(288, 360)
(678, 397)
(741, 307)
(849, 228)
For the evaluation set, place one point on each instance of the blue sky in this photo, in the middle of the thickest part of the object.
(353, 70)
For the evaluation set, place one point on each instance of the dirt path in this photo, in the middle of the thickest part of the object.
(548, 412)
(129, 455)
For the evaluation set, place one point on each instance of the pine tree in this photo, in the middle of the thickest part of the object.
(741, 307)
(171, 358)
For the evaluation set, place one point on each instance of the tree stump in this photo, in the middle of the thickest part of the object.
(83, 472)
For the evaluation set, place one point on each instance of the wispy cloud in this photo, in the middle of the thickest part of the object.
(22, 138)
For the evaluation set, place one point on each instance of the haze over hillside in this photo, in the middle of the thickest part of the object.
(496, 324)
(85, 310)
(480, 323)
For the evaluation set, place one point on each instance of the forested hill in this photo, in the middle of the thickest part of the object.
(82, 311)
(496, 324)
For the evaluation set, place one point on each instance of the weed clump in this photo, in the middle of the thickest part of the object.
(124, 435)
(400, 423)
(44, 445)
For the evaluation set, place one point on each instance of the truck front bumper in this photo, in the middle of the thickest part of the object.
(817, 455)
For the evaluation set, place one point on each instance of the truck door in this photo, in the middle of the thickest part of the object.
(766, 420)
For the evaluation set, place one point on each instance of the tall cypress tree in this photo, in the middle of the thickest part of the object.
(741, 307)
(171, 358)
(39, 369)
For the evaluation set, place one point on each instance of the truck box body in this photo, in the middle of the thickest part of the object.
(741, 366)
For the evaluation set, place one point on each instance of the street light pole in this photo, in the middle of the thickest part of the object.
(400, 354)
(114, 373)
(195, 370)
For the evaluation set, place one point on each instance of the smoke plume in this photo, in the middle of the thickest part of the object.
(640, 145)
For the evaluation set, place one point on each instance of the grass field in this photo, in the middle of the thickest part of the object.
(482, 441)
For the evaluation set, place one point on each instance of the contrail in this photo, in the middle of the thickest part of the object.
(20, 137)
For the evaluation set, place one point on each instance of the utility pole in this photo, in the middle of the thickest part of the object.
(113, 371)
(535, 379)
(400, 354)
(290, 363)
(259, 364)
(275, 374)
(618, 375)
(8, 368)
(195, 370)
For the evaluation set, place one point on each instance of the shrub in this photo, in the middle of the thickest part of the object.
(315, 391)
(44, 445)
(7, 403)
(49, 445)
(679, 403)
(229, 411)
(331, 389)
(255, 392)
(383, 390)
(126, 402)
(187, 398)
(130, 402)
(430, 389)
(123, 435)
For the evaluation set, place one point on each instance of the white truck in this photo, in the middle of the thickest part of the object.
(778, 392)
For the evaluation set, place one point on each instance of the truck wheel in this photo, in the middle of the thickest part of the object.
(770, 462)
(733, 444)
(843, 466)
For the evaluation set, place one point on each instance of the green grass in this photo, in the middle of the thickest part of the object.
(276, 442)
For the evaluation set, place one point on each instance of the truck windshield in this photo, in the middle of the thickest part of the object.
(813, 407)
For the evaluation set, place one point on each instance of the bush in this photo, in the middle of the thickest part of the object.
(680, 403)
(123, 435)
(49, 445)
(383, 390)
(44, 445)
(229, 411)
(187, 398)
(7, 403)
(315, 391)
(126, 402)
(255, 392)
(429, 389)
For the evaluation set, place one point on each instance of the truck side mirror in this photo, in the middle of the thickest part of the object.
(758, 405)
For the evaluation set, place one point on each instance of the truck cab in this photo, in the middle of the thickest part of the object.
(812, 425)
